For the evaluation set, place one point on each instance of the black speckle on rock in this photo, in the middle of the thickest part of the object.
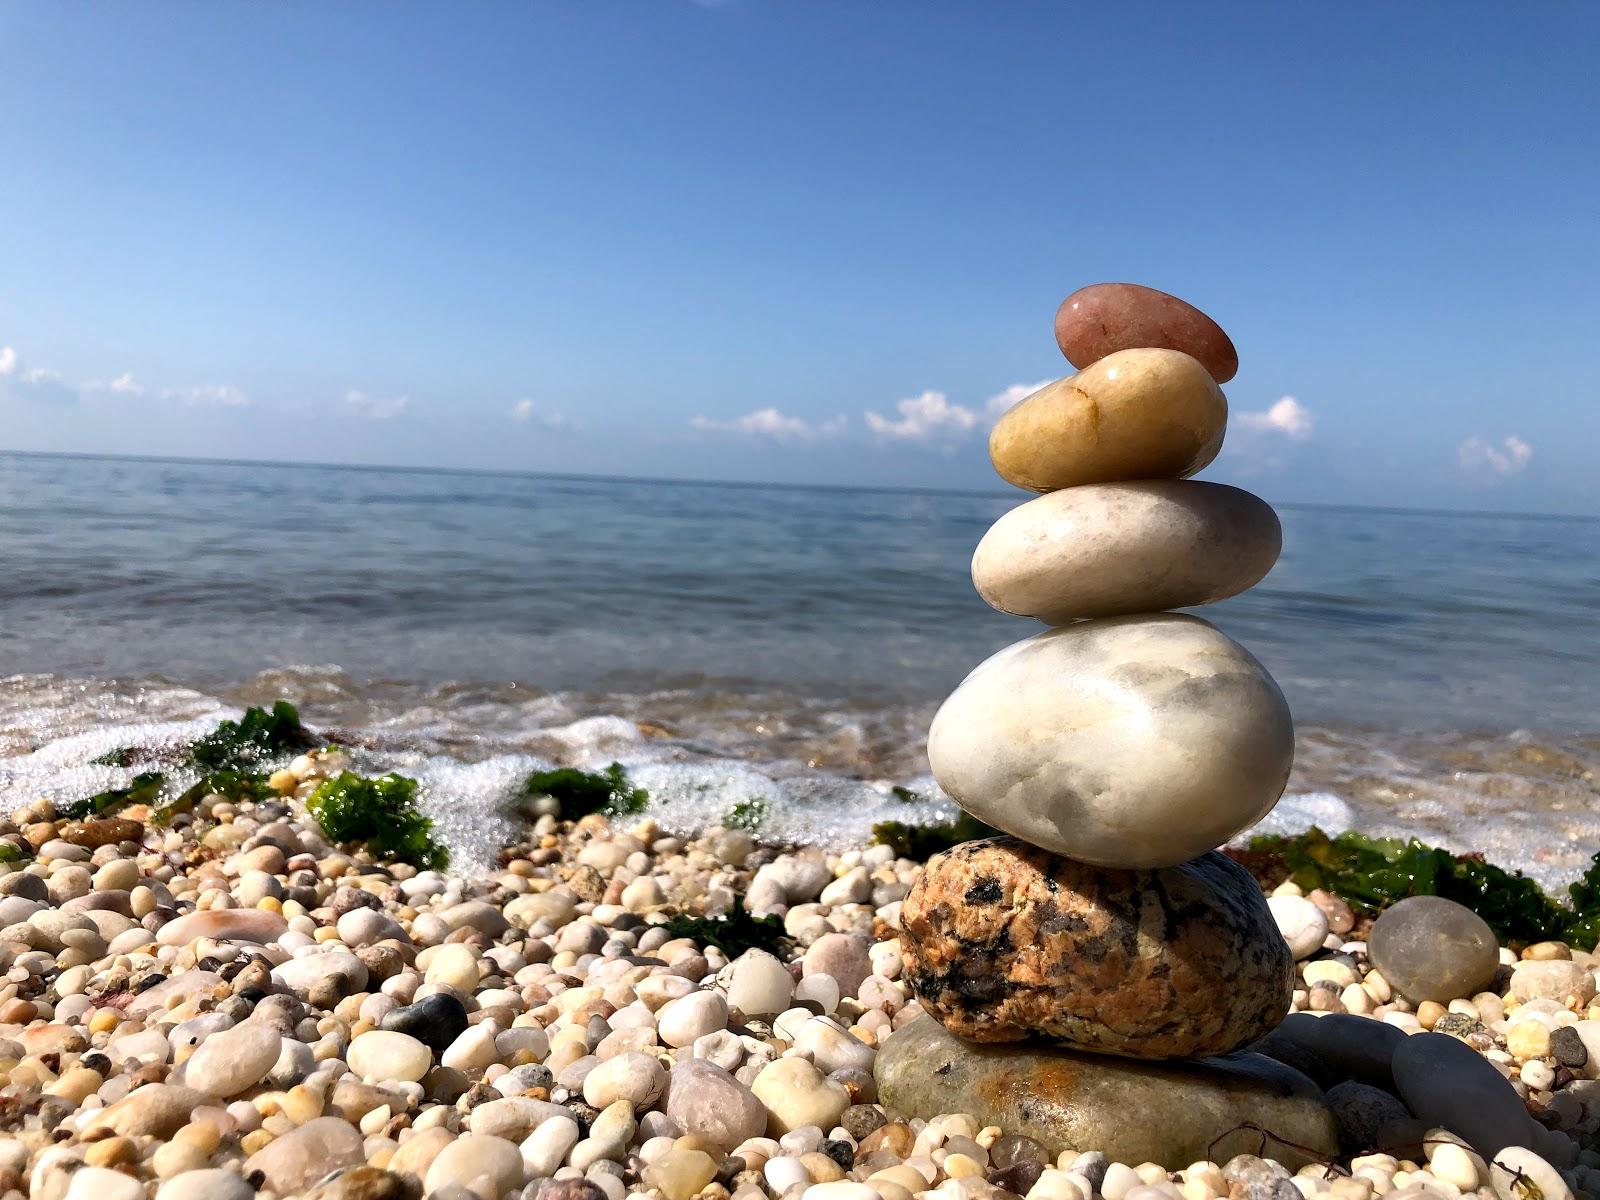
(944, 1069)
(986, 891)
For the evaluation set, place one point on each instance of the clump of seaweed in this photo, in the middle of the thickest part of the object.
(379, 813)
(922, 842)
(1372, 873)
(258, 735)
(580, 793)
(734, 933)
(143, 789)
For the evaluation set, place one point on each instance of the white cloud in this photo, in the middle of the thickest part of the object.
(770, 423)
(209, 395)
(929, 417)
(529, 413)
(1508, 457)
(33, 383)
(999, 404)
(125, 385)
(375, 408)
(1288, 416)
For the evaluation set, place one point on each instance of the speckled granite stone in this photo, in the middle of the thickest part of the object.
(1003, 941)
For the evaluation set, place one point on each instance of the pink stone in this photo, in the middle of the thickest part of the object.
(1106, 317)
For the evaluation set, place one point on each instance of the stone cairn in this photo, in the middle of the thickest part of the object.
(1118, 749)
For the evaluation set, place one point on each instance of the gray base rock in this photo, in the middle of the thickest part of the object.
(1169, 1113)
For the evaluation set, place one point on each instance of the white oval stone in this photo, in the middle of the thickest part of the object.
(233, 1060)
(1303, 925)
(486, 1167)
(1123, 742)
(681, 1021)
(384, 1054)
(223, 924)
(1103, 550)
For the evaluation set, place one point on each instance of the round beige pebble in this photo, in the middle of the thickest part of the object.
(1103, 550)
(384, 1055)
(1138, 741)
(488, 1167)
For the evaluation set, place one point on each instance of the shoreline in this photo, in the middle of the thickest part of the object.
(824, 770)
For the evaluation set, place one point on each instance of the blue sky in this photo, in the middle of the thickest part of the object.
(814, 242)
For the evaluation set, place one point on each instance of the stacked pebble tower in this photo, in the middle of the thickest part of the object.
(1125, 743)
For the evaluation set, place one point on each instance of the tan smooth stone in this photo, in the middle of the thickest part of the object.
(1135, 414)
(1137, 741)
(1106, 549)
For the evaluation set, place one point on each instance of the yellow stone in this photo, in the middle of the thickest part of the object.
(1547, 951)
(1429, 1012)
(76, 1084)
(902, 1176)
(111, 1152)
(176, 1157)
(256, 1139)
(821, 1168)
(1135, 414)
(680, 1174)
(301, 1104)
(960, 1166)
(1528, 1039)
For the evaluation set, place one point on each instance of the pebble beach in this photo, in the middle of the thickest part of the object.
(250, 966)
(232, 1007)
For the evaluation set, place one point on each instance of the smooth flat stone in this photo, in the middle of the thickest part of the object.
(224, 924)
(1106, 317)
(1335, 1049)
(1108, 549)
(1447, 1083)
(1003, 941)
(233, 1060)
(1124, 741)
(1168, 1113)
(305, 1154)
(1430, 948)
(1135, 414)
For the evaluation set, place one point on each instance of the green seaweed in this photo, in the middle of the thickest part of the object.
(747, 814)
(922, 842)
(11, 852)
(905, 795)
(381, 813)
(259, 734)
(583, 792)
(230, 785)
(732, 934)
(144, 789)
(1373, 873)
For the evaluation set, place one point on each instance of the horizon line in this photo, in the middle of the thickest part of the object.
(683, 481)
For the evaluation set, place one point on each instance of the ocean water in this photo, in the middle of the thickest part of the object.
(730, 641)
